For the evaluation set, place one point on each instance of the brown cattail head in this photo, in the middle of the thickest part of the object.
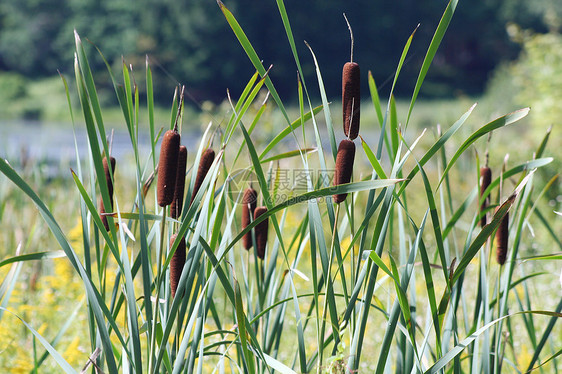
(344, 166)
(501, 239)
(176, 264)
(167, 167)
(351, 99)
(249, 201)
(486, 179)
(261, 231)
(109, 187)
(177, 202)
(103, 216)
(207, 159)
(108, 175)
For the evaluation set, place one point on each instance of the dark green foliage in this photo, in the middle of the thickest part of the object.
(189, 42)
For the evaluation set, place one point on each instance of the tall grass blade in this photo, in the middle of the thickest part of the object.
(93, 296)
(150, 108)
(32, 257)
(90, 87)
(431, 51)
(447, 357)
(375, 98)
(373, 159)
(288, 130)
(439, 143)
(396, 74)
(326, 106)
(268, 202)
(9, 282)
(61, 332)
(289, 154)
(494, 125)
(486, 232)
(393, 127)
(252, 55)
(241, 319)
(63, 364)
(401, 303)
(436, 226)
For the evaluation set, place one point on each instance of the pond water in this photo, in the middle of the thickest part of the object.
(53, 145)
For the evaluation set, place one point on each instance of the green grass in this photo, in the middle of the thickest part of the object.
(399, 277)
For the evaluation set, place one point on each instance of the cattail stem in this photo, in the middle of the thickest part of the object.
(111, 141)
(497, 332)
(180, 107)
(350, 36)
(487, 154)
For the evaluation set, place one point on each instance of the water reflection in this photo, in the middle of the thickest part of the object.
(52, 146)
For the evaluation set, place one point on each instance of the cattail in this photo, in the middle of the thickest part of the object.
(207, 159)
(176, 264)
(261, 231)
(486, 179)
(351, 99)
(109, 188)
(501, 239)
(108, 174)
(177, 202)
(103, 216)
(344, 166)
(249, 201)
(167, 167)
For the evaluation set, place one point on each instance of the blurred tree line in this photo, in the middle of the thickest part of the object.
(190, 41)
